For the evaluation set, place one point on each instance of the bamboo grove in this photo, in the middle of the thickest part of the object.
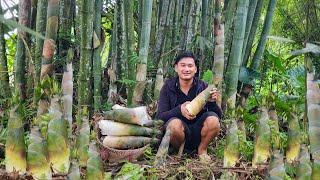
(64, 61)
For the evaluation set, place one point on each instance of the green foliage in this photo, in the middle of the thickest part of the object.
(208, 76)
(220, 148)
(106, 106)
(130, 171)
(246, 147)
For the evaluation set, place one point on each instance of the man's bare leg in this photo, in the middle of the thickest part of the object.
(177, 133)
(210, 129)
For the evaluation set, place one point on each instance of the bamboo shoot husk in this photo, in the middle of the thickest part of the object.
(83, 140)
(262, 145)
(163, 149)
(231, 150)
(196, 105)
(74, 172)
(57, 141)
(15, 150)
(293, 149)
(304, 170)
(94, 164)
(67, 89)
(136, 115)
(112, 128)
(37, 159)
(276, 167)
(127, 142)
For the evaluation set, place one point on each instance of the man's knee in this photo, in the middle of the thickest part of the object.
(176, 126)
(212, 124)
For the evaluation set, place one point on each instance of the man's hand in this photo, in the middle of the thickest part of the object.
(214, 95)
(185, 112)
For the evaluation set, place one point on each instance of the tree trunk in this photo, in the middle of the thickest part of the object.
(22, 49)
(96, 57)
(131, 55)
(143, 52)
(265, 32)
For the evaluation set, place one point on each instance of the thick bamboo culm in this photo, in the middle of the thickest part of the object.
(196, 105)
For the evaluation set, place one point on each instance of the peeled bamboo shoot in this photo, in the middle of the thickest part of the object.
(262, 140)
(196, 105)
(136, 115)
(127, 142)
(111, 128)
(15, 153)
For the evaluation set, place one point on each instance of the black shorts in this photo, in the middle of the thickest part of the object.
(193, 131)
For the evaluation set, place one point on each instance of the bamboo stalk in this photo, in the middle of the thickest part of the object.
(163, 149)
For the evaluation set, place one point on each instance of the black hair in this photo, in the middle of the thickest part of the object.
(184, 55)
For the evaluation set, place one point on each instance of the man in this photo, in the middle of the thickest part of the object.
(196, 131)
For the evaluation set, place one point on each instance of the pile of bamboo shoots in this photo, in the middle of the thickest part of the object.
(126, 132)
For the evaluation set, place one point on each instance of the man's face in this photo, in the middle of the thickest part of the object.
(186, 68)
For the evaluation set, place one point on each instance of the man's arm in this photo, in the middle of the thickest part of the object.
(164, 111)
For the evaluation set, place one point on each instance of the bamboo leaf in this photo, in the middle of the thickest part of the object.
(14, 24)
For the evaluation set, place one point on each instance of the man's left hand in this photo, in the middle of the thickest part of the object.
(214, 95)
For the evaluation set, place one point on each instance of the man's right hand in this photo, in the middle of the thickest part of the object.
(185, 112)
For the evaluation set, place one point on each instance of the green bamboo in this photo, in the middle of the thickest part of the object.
(113, 69)
(230, 9)
(185, 25)
(97, 71)
(40, 28)
(143, 53)
(86, 52)
(253, 29)
(129, 26)
(218, 64)
(250, 16)
(265, 32)
(234, 61)
(231, 150)
(4, 76)
(21, 50)
(49, 46)
(203, 33)
(154, 20)
(83, 138)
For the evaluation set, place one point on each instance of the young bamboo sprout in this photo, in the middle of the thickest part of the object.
(67, 89)
(58, 147)
(127, 142)
(37, 159)
(304, 169)
(163, 149)
(196, 105)
(293, 148)
(83, 139)
(262, 140)
(112, 128)
(231, 150)
(15, 153)
(276, 167)
(136, 115)
(94, 164)
(74, 172)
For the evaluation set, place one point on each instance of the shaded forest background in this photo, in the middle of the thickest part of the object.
(66, 61)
